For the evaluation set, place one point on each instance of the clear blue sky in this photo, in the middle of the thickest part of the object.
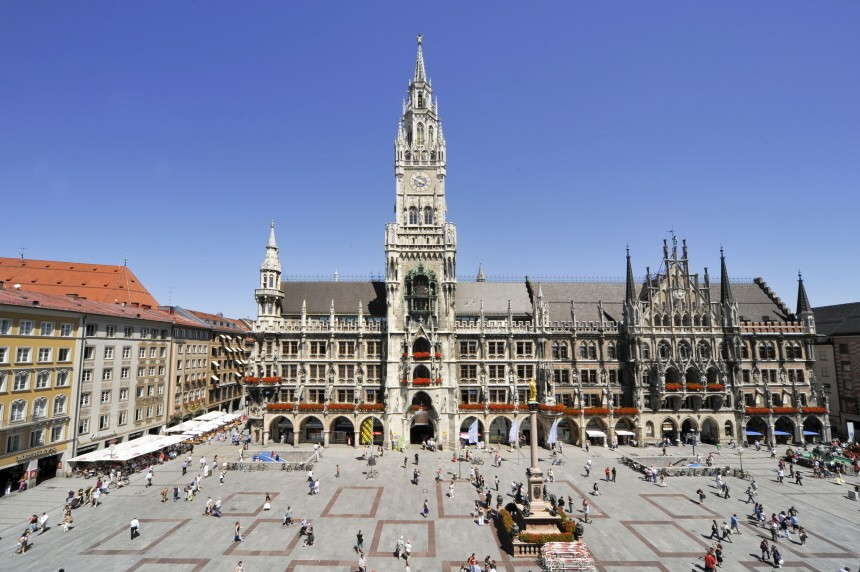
(171, 133)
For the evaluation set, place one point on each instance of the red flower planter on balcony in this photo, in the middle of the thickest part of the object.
(673, 387)
(279, 407)
(814, 409)
(716, 387)
(626, 410)
(694, 387)
(421, 381)
(757, 410)
(421, 355)
(597, 411)
(784, 410)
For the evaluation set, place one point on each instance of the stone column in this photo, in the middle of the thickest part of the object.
(535, 475)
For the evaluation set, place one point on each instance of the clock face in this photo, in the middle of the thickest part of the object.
(420, 181)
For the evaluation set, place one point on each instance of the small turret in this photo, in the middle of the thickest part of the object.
(804, 308)
(268, 294)
(727, 300)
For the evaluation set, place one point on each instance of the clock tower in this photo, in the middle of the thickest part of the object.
(420, 252)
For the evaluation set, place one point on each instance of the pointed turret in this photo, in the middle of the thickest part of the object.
(269, 295)
(803, 305)
(480, 277)
(725, 286)
(272, 261)
(631, 285)
(420, 74)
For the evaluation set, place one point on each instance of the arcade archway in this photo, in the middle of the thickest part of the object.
(281, 430)
(341, 431)
(464, 430)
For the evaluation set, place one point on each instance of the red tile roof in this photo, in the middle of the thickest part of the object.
(219, 321)
(98, 282)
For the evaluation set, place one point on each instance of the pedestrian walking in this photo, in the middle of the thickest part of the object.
(43, 523)
(164, 494)
(359, 542)
(237, 532)
(221, 479)
(267, 504)
(765, 550)
(135, 528)
(586, 508)
(715, 530)
(288, 517)
(608, 473)
(701, 494)
(496, 480)
(595, 490)
(734, 524)
(337, 471)
(362, 562)
(451, 490)
(240, 567)
(149, 478)
(613, 474)
(416, 458)
(777, 557)
(803, 536)
(184, 467)
(425, 511)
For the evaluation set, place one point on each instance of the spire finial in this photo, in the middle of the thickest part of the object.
(803, 305)
(420, 39)
(420, 74)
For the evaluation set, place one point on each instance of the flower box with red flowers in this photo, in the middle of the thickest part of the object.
(311, 406)
(279, 407)
(437, 355)
(814, 409)
(757, 410)
(694, 387)
(673, 387)
(596, 411)
(405, 355)
(626, 410)
(421, 381)
(716, 387)
(502, 407)
(421, 355)
(341, 407)
(438, 381)
(782, 410)
(572, 411)
(551, 408)
(419, 408)
(366, 407)
(471, 406)
(271, 380)
(252, 380)
(404, 381)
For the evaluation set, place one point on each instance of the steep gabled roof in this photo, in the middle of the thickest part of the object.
(318, 296)
(97, 282)
(838, 320)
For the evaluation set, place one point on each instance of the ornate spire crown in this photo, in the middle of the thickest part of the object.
(420, 74)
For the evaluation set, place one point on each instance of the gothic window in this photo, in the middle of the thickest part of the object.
(696, 321)
(706, 321)
(766, 350)
(664, 351)
(587, 351)
(684, 350)
(745, 351)
(413, 215)
(611, 351)
(430, 140)
(704, 350)
(420, 100)
(428, 215)
(686, 320)
(666, 322)
(419, 134)
(677, 320)
(646, 351)
(724, 353)
(559, 350)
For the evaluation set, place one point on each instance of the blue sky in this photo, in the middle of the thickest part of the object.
(171, 133)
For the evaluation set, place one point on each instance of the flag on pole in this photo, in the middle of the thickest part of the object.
(473, 432)
(553, 433)
(513, 436)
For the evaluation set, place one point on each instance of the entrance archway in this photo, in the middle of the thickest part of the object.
(669, 430)
(783, 430)
(812, 430)
(624, 431)
(464, 430)
(371, 430)
(568, 432)
(710, 431)
(311, 431)
(421, 427)
(341, 431)
(687, 428)
(756, 430)
(500, 429)
(281, 430)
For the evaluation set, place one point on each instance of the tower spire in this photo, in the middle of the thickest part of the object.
(803, 305)
(631, 285)
(420, 74)
(725, 286)
(272, 261)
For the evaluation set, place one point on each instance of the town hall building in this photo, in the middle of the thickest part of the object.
(418, 355)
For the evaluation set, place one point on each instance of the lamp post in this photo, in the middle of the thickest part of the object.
(693, 438)
(741, 458)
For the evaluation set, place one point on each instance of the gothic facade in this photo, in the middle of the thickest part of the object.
(420, 355)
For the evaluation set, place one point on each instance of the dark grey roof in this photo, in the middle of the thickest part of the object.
(318, 297)
(753, 303)
(841, 319)
(585, 296)
(495, 296)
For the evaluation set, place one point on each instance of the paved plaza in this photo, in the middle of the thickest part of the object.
(635, 525)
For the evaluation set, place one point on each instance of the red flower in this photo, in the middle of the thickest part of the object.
(694, 387)
(421, 355)
(626, 410)
(471, 406)
(311, 406)
(597, 411)
(783, 410)
(421, 381)
(673, 387)
(757, 410)
(279, 407)
(341, 407)
(551, 408)
(371, 407)
(814, 409)
(716, 387)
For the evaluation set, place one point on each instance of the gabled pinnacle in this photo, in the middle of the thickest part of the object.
(480, 277)
(725, 286)
(420, 74)
(631, 286)
(803, 305)
(272, 242)
(272, 261)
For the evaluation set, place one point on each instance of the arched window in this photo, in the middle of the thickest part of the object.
(559, 350)
(696, 320)
(592, 351)
(646, 377)
(724, 352)
(428, 215)
(686, 320)
(677, 320)
(646, 351)
(664, 351)
(40, 407)
(706, 321)
(419, 138)
(766, 350)
(583, 350)
(683, 350)
(420, 100)
(611, 351)
(430, 139)
(704, 350)
(413, 215)
(18, 410)
(59, 405)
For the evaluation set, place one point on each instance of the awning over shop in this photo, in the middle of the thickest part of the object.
(779, 433)
(624, 432)
(754, 433)
(810, 432)
(215, 378)
(594, 433)
(130, 449)
(211, 416)
(183, 426)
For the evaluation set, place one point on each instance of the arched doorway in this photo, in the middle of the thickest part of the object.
(371, 431)
(281, 430)
(669, 430)
(500, 429)
(812, 430)
(595, 431)
(624, 431)
(568, 431)
(464, 430)
(311, 431)
(421, 429)
(756, 430)
(729, 430)
(710, 431)
(341, 431)
(688, 427)
(783, 430)
(526, 432)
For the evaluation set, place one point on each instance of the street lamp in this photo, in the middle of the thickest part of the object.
(694, 442)
(741, 458)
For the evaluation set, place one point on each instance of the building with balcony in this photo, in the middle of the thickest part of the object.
(419, 354)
